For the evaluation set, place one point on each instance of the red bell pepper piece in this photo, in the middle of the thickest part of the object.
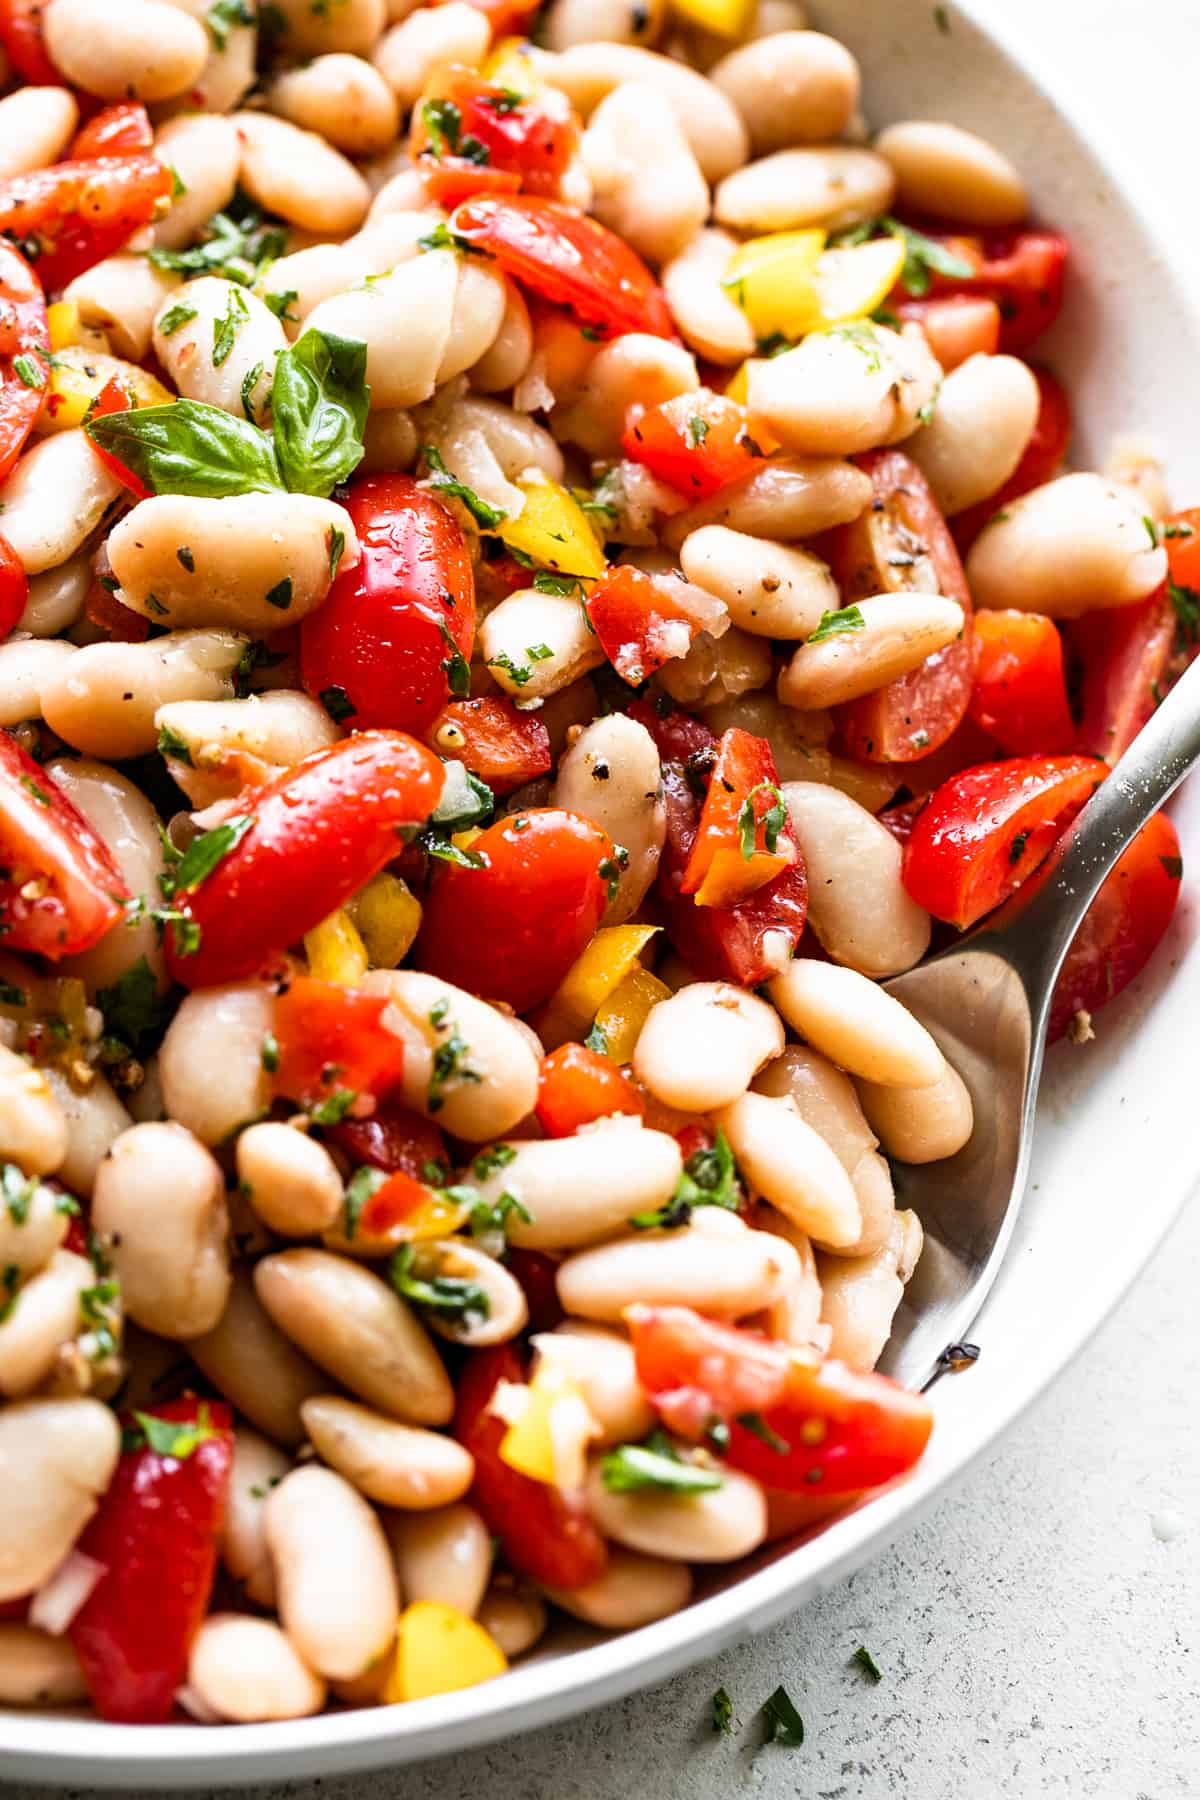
(577, 1086)
(471, 136)
(331, 1042)
(504, 747)
(639, 621)
(120, 130)
(743, 840)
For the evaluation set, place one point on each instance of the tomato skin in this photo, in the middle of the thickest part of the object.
(1040, 461)
(80, 212)
(1020, 692)
(43, 836)
(120, 130)
(14, 587)
(320, 832)
(1130, 657)
(955, 325)
(21, 35)
(545, 1534)
(569, 259)
(1020, 270)
(697, 443)
(576, 1086)
(718, 873)
(113, 398)
(985, 831)
(695, 1371)
(629, 612)
(504, 747)
(1123, 925)
(526, 146)
(381, 636)
(23, 332)
(393, 1138)
(330, 1038)
(157, 1531)
(913, 715)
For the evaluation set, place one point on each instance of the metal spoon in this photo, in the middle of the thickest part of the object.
(987, 1002)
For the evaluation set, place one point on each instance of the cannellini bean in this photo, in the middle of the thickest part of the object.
(160, 1202)
(443, 1555)
(213, 355)
(320, 271)
(56, 1458)
(725, 1274)
(341, 97)
(258, 1466)
(514, 1618)
(571, 22)
(796, 1315)
(397, 1465)
(429, 39)
(1134, 463)
(635, 126)
(792, 1166)
(581, 1189)
(952, 173)
(831, 187)
(797, 739)
(37, 1669)
(601, 1363)
(508, 1311)
(290, 1179)
(248, 1358)
(528, 618)
(856, 1024)
(204, 151)
(858, 905)
(986, 410)
(56, 599)
(612, 775)
(824, 1097)
(36, 125)
(279, 728)
(143, 50)
(30, 1235)
(352, 25)
(498, 1051)
(920, 1125)
(847, 389)
(770, 590)
(503, 365)
(711, 123)
(709, 319)
(389, 442)
(246, 1670)
(859, 1295)
(95, 1119)
(897, 633)
(122, 296)
(129, 825)
(351, 1323)
(54, 499)
(299, 176)
(338, 1601)
(33, 1128)
(788, 497)
(717, 1526)
(793, 87)
(633, 368)
(704, 1046)
(519, 447)
(43, 1315)
(24, 662)
(633, 1590)
(211, 1060)
(104, 700)
(229, 72)
(398, 186)
(1074, 546)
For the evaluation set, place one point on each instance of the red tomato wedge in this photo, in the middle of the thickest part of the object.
(743, 839)
(504, 747)
(1020, 692)
(60, 887)
(24, 346)
(113, 398)
(984, 831)
(471, 136)
(569, 259)
(1123, 925)
(831, 1428)
(577, 1086)
(1040, 461)
(316, 835)
(901, 541)
(157, 1533)
(21, 35)
(331, 1042)
(121, 130)
(511, 928)
(544, 1534)
(697, 443)
(955, 325)
(14, 587)
(393, 639)
(77, 213)
(639, 621)
(1129, 658)
(1020, 270)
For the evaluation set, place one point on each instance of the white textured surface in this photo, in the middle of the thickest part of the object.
(1037, 1633)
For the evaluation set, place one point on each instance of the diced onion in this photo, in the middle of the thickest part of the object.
(63, 1593)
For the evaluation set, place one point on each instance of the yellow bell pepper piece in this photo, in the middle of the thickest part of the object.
(62, 322)
(531, 1445)
(851, 283)
(612, 955)
(553, 529)
(438, 1651)
(78, 375)
(624, 1013)
(387, 916)
(335, 951)
(732, 877)
(771, 278)
(728, 18)
(513, 63)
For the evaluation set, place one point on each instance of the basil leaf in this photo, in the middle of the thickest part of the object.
(187, 447)
(320, 400)
(655, 1465)
(133, 1009)
(204, 853)
(459, 1301)
(784, 1724)
(172, 1437)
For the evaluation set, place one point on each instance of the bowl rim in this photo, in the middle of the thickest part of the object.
(56, 1748)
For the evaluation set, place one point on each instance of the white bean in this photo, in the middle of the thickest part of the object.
(43, 1316)
(389, 442)
(229, 72)
(56, 598)
(634, 368)
(431, 38)
(792, 1166)
(337, 1591)
(56, 1458)
(712, 124)
(211, 1060)
(704, 1046)
(859, 1295)
(716, 670)
(985, 413)
(633, 127)
(299, 176)
(36, 125)
(204, 151)
(307, 277)
(37, 1669)
(530, 618)
(824, 1097)
(279, 728)
(847, 389)
(342, 98)
(771, 590)
(213, 354)
(24, 663)
(942, 169)
(920, 1125)
(725, 1275)
(717, 1526)
(508, 1311)
(129, 825)
(31, 1232)
(54, 499)
(789, 497)
(581, 1189)
(897, 633)
(831, 187)
(792, 87)
(796, 1316)
(246, 1670)
(571, 22)
(290, 1179)
(351, 1323)
(516, 447)
(258, 1466)
(612, 775)
(601, 1363)
(856, 1024)
(709, 319)
(95, 1119)
(353, 25)
(633, 1590)
(142, 50)
(443, 1555)
(104, 700)
(857, 903)
(122, 296)
(405, 320)
(1077, 545)
(503, 365)
(248, 1358)
(514, 1618)
(397, 1465)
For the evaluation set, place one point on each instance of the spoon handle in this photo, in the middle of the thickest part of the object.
(1161, 754)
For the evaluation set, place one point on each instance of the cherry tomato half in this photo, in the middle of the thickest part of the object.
(504, 747)
(638, 621)
(471, 136)
(14, 587)
(1020, 692)
(331, 1041)
(1129, 657)
(955, 325)
(21, 35)
(697, 443)
(23, 335)
(77, 213)
(743, 840)
(60, 888)
(121, 130)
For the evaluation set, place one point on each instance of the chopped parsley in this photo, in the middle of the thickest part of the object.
(177, 1438)
(772, 821)
(268, 1056)
(453, 1298)
(177, 315)
(280, 595)
(280, 305)
(757, 1426)
(1173, 866)
(186, 559)
(362, 1184)
(709, 1178)
(17, 1191)
(548, 581)
(337, 703)
(488, 1220)
(442, 238)
(171, 744)
(1186, 602)
(443, 482)
(783, 1723)
(456, 667)
(337, 549)
(597, 1040)
(488, 1161)
(225, 329)
(518, 673)
(449, 1059)
(239, 242)
(31, 373)
(134, 1010)
(941, 19)
(697, 430)
(1151, 530)
(204, 854)
(833, 624)
(612, 869)
(866, 1662)
(1016, 849)
(722, 1712)
(655, 1465)
(222, 16)
(12, 996)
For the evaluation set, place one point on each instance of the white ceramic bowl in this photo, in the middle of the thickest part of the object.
(1115, 1154)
